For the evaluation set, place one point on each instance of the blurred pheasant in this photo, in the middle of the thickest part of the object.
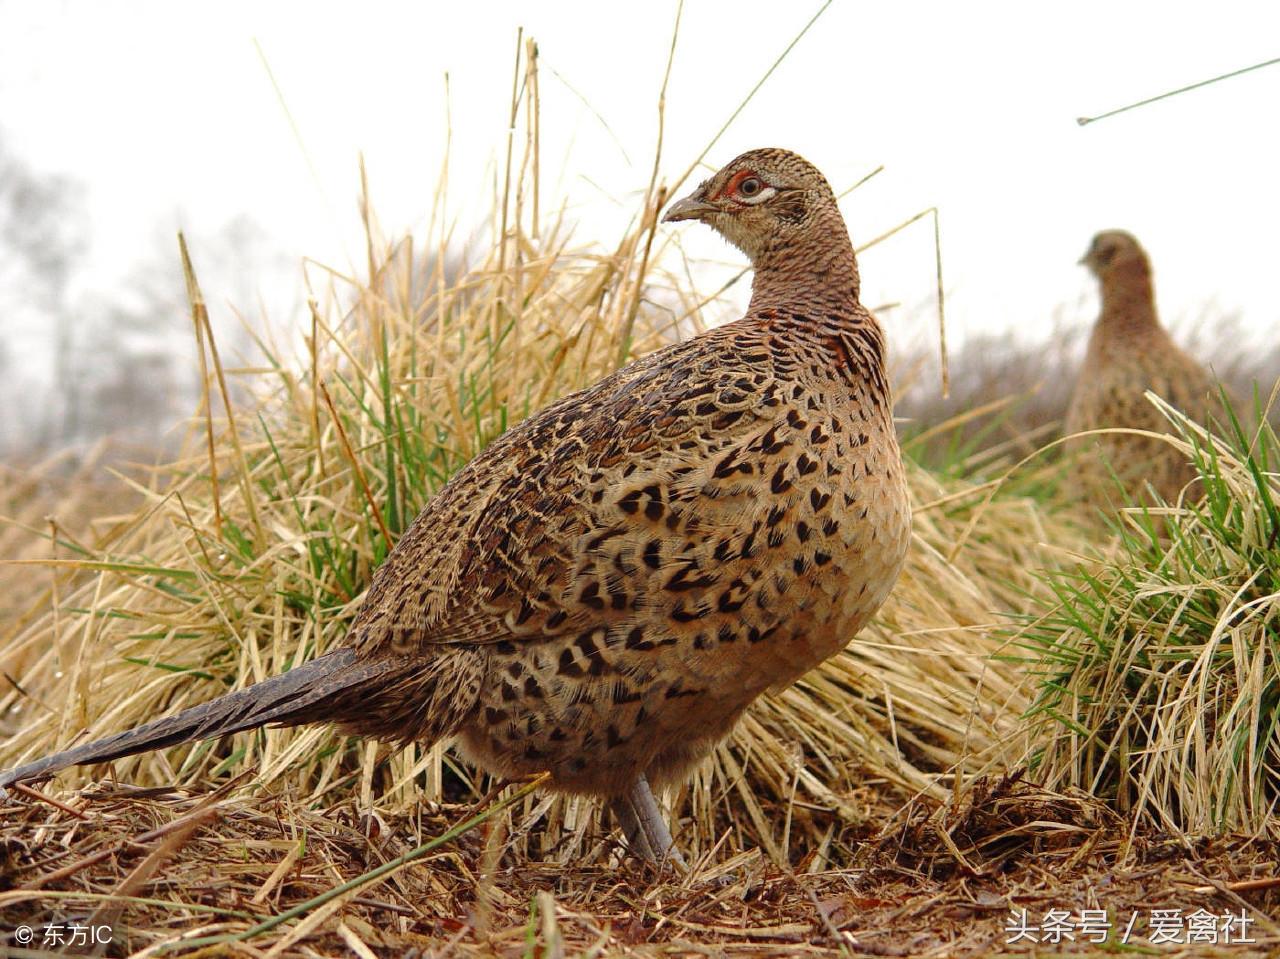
(1129, 353)
(605, 589)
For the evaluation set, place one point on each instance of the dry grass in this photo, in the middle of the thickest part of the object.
(162, 863)
(63, 506)
(868, 808)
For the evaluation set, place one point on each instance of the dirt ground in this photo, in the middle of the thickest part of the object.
(1008, 869)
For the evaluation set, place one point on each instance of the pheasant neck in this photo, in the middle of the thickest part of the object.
(817, 270)
(1128, 300)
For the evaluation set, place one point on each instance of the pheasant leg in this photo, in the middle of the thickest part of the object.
(642, 823)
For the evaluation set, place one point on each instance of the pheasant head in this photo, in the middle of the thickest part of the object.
(1114, 251)
(1124, 274)
(778, 209)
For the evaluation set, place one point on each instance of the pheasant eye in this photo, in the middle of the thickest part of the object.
(750, 186)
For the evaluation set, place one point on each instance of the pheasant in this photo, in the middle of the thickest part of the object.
(1130, 353)
(603, 591)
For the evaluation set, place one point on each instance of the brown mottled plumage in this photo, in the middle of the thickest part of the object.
(605, 589)
(1130, 353)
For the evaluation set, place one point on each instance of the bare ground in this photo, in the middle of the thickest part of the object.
(923, 881)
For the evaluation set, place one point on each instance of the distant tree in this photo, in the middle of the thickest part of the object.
(42, 229)
(138, 369)
(120, 363)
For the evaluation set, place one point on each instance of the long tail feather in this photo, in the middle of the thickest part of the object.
(297, 696)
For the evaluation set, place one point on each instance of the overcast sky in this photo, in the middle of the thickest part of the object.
(166, 112)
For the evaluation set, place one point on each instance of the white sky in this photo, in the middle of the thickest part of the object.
(166, 113)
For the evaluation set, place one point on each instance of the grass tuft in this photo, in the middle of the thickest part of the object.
(1160, 680)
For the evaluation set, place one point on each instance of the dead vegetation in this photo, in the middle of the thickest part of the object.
(1009, 394)
(200, 869)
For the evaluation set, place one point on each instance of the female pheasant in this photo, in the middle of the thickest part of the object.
(1130, 353)
(604, 590)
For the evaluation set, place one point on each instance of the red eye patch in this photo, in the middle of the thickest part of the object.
(734, 182)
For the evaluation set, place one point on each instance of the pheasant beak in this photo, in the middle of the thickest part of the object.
(691, 207)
